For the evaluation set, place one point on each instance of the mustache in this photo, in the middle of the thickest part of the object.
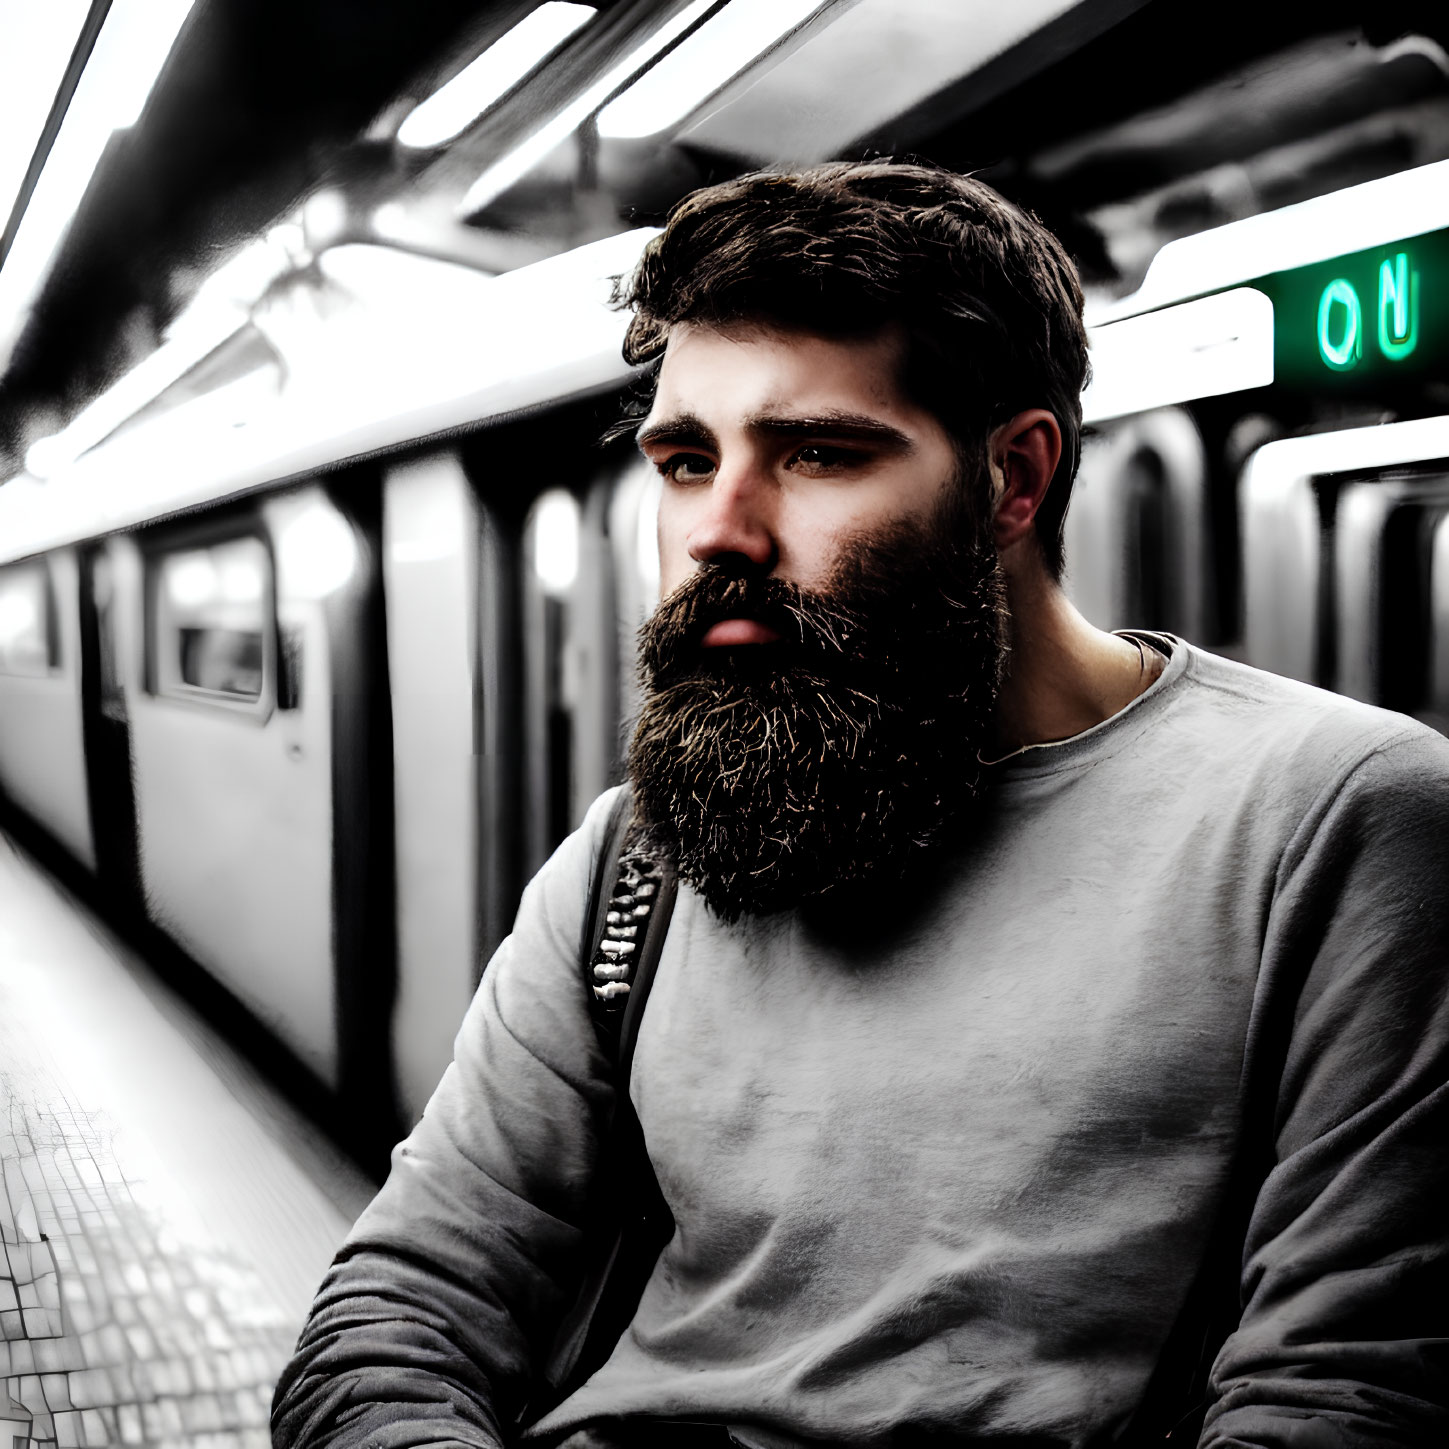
(813, 627)
(899, 599)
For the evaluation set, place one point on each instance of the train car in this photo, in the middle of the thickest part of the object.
(311, 660)
(316, 641)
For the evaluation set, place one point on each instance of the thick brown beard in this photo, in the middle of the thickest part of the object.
(778, 774)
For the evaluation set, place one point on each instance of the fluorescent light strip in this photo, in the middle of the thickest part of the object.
(1215, 345)
(1387, 210)
(455, 106)
(143, 384)
(220, 308)
(44, 35)
(516, 164)
(696, 68)
(129, 52)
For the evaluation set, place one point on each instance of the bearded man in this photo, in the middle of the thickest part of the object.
(1048, 1046)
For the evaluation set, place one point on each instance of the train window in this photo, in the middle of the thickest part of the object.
(211, 621)
(29, 638)
(224, 661)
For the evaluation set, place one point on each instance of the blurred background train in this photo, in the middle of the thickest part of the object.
(318, 591)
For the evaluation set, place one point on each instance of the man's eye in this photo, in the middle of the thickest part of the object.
(686, 468)
(820, 458)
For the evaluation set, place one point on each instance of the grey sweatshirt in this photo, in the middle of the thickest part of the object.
(954, 1180)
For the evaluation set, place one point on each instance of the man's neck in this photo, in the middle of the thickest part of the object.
(1063, 674)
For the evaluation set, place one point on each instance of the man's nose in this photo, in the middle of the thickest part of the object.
(738, 521)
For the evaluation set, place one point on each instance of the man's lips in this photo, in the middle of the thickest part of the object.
(739, 631)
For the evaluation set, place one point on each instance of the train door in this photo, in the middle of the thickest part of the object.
(1139, 529)
(446, 695)
(107, 734)
(596, 648)
(634, 555)
(42, 751)
(1383, 552)
(1343, 564)
(1436, 701)
(551, 660)
(230, 695)
(584, 595)
(1285, 628)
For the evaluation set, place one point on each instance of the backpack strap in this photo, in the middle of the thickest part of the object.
(627, 921)
(632, 893)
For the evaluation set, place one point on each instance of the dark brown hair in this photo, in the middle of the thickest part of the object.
(989, 301)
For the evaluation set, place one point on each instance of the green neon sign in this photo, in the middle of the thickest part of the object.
(1399, 296)
(1373, 323)
(1340, 343)
(1340, 316)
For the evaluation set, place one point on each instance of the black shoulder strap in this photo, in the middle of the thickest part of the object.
(633, 896)
(628, 918)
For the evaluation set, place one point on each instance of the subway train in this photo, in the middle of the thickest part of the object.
(316, 631)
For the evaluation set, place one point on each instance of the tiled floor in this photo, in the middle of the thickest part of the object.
(165, 1217)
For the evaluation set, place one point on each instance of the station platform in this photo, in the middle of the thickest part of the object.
(166, 1214)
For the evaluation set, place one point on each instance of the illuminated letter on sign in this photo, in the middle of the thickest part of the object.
(1398, 308)
(1347, 350)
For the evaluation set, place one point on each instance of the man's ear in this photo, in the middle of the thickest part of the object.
(1024, 455)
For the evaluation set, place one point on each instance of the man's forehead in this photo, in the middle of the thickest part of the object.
(773, 370)
(882, 339)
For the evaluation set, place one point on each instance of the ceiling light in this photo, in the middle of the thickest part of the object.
(325, 218)
(38, 40)
(696, 68)
(515, 164)
(194, 335)
(476, 87)
(129, 53)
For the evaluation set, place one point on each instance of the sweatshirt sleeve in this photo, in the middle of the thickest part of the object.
(432, 1319)
(1343, 1341)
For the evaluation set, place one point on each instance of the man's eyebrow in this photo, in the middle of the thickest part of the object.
(832, 423)
(688, 430)
(683, 430)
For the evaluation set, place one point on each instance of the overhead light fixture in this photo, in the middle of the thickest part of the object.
(119, 403)
(128, 55)
(220, 308)
(1199, 349)
(325, 219)
(1392, 208)
(455, 106)
(42, 38)
(517, 163)
(697, 67)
